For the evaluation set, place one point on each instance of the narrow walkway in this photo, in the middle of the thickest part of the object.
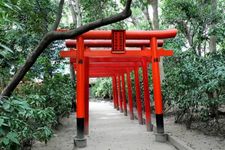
(109, 130)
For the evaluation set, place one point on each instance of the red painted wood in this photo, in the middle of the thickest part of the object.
(159, 34)
(117, 60)
(103, 34)
(107, 53)
(86, 119)
(146, 96)
(80, 79)
(124, 95)
(138, 95)
(114, 91)
(118, 41)
(130, 101)
(156, 79)
(157, 88)
(119, 94)
(108, 43)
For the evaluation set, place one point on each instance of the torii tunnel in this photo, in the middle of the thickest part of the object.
(116, 54)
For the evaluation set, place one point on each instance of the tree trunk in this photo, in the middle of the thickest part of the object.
(212, 40)
(73, 12)
(155, 21)
(54, 35)
(147, 15)
(78, 11)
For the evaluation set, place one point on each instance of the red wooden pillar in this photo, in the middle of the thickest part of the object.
(124, 95)
(130, 101)
(138, 95)
(80, 93)
(146, 96)
(157, 87)
(114, 91)
(86, 121)
(119, 94)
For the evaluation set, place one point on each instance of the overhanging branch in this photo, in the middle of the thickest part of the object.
(54, 35)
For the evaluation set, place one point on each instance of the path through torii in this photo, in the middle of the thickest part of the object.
(116, 54)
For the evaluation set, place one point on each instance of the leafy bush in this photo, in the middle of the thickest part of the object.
(195, 85)
(23, 120)
(55, 92)
(20, 124)
(102, 88)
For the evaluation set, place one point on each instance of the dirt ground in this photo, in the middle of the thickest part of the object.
(194, 139)
(109, 130)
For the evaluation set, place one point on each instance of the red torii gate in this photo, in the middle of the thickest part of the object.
(91, 61)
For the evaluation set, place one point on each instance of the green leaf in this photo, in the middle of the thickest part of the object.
(5, 141)
(13, 136)
(6, 106)
(1, 122)
(6, 48)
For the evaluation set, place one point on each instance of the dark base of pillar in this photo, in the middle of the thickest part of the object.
(140, 121)
(159, 123)
(149, 127)
(161, 137)
(132, 116)
(80, 142)
(125, 113)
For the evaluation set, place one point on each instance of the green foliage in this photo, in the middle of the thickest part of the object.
(101, 9)
(21, 124)
(195, 85)
(102, 88)
(22, 24)
(45, 94)
(194, 19)
(55, 92)
(23, 120)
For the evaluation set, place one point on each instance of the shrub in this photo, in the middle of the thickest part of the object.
(20, 124)
(102, 88)
(34, 112)
(195, 85)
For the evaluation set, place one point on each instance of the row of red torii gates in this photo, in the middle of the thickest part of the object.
(116, 54)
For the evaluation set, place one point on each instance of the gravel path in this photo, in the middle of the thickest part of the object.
(109, 130)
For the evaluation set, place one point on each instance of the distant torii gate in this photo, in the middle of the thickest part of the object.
(115, 54)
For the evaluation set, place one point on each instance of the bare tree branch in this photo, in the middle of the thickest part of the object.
(52, 36)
